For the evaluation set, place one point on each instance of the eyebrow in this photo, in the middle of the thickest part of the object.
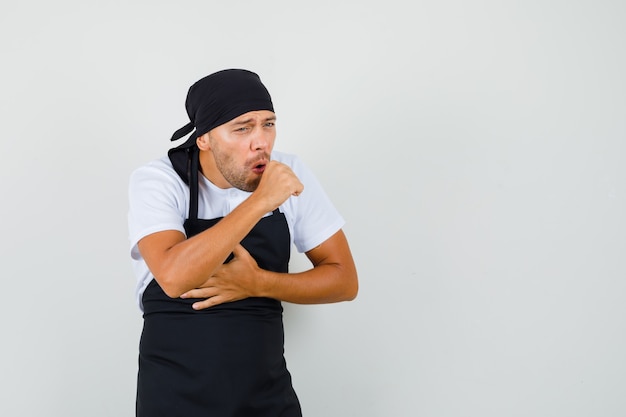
(245, 122)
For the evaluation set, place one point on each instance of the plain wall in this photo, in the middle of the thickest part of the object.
(475, 148)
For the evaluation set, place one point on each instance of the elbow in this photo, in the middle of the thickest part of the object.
(169, 285)
(354, 292)
(352, 289)
(173, 292)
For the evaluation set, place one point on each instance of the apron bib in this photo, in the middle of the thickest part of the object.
(224, 361)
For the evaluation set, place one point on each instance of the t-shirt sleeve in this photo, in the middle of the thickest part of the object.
(156, 203)
(317, 219)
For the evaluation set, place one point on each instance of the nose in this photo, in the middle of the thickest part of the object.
(260, 141)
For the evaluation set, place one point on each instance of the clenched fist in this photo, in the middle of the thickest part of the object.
(277, 184)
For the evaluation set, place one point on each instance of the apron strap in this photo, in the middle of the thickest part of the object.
(186, 164)
(193, 183)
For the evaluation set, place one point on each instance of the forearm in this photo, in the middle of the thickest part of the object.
(333, 278)
(189, 262)
(327, 283)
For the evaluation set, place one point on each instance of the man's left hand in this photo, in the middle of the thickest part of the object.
(233, 281)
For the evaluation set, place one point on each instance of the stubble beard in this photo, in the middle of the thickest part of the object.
(238, 178)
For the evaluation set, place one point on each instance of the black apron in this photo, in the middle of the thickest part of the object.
(224, 361)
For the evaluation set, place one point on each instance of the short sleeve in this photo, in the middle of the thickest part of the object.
(156, 202)
(316, 218)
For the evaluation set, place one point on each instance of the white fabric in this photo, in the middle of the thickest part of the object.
(159, 200)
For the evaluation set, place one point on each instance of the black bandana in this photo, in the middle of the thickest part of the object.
(219, 98)
(212, 101)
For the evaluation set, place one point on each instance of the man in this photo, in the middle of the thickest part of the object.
(211, 227)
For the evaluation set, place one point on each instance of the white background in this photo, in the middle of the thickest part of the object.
(476, 149)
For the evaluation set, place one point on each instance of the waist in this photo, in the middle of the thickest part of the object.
(155, 301)
(249, 306)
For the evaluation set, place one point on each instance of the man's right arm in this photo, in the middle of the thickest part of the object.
(180, 264)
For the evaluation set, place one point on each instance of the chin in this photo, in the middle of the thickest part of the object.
(248, 187)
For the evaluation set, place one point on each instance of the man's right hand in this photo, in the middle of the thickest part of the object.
(277, 184)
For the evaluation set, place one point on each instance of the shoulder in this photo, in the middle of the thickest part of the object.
(312, 215)
(161, 168)
(158, 200)
(156, 183)
(157, 174)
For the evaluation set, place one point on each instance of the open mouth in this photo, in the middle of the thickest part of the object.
(259, 168)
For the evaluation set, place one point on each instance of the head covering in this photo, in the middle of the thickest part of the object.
(219, 98)
(212, 101)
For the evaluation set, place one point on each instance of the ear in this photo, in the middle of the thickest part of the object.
(203, 142)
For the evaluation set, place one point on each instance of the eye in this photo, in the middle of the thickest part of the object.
(242, 129)
(269, 124)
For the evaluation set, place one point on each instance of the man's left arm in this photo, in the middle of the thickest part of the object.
(333, 278)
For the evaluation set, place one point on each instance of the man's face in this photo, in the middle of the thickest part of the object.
(241, 150)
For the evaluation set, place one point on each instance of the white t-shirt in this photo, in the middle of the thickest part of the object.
(159, 200)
